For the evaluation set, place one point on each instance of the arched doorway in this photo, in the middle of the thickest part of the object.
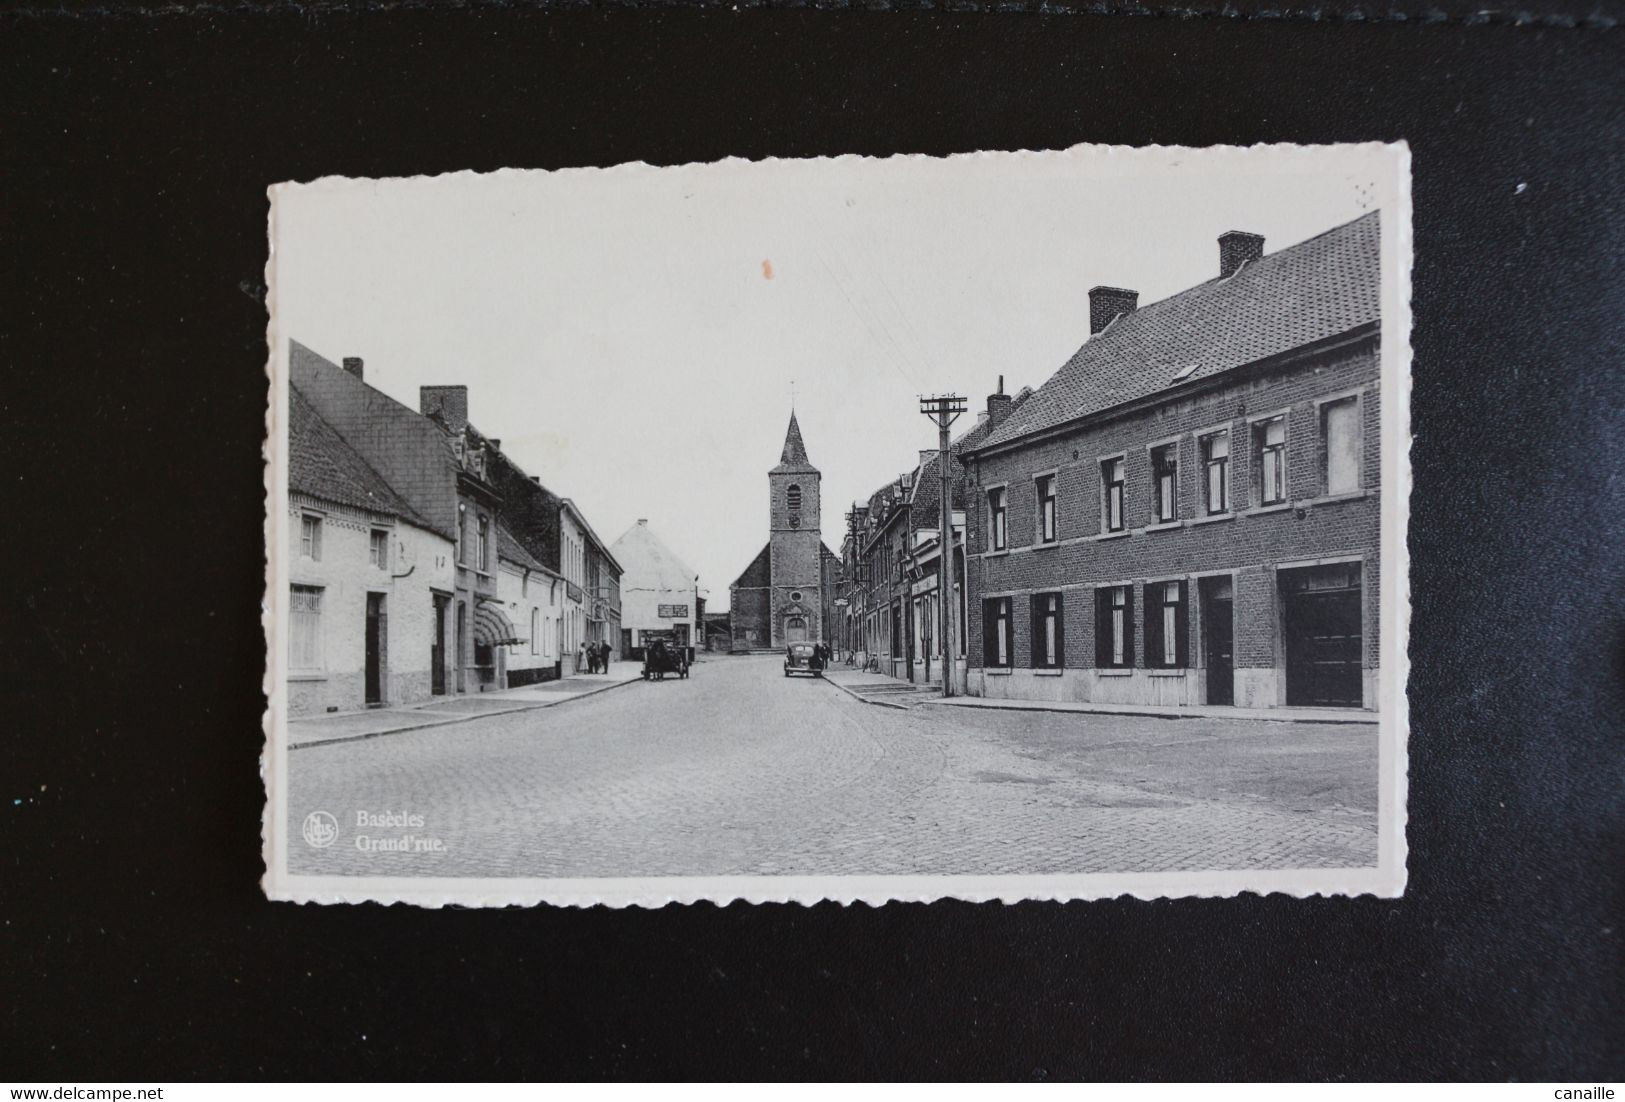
(795, 629)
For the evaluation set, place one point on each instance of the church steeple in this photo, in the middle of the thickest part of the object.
(794, 456)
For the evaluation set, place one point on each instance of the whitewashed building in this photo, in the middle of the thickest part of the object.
(660, 594)
(532, 600)
(371, 580)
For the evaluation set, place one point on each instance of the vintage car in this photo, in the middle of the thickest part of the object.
(661, 658)
(803, 658)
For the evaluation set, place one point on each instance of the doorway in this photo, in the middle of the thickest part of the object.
(1322, 630)
(1219, 637)
(375, 649)
(462, 644)
(437, 649)
(795, 630)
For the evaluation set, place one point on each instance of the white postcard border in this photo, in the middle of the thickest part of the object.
(1387, 879)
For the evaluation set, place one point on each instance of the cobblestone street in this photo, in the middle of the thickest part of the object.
(739, 770)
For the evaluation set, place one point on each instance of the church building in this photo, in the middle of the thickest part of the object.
(787, 593)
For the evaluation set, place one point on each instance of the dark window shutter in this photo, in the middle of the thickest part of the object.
(1103, 630)
(1058, 659)
(1035, 608)
(1128, 626)
(1182, 637)
(990, 641)
(1153, 627)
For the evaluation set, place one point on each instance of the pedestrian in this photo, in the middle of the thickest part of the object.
(603, 657)
(581, 659)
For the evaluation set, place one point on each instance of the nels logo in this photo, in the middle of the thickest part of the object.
(321, 830)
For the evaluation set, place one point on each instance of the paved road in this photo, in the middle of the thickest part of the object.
(741, 771)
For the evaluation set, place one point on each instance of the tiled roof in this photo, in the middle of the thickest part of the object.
(1312, 291)
(760, 571)
(509, 547)
(648, 562)
(323, 466)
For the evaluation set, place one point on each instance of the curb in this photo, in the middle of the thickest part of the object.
(1131, 711)
(863, 699)
(448, 721)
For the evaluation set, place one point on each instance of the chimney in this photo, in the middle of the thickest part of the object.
(1237, 248)
(998, 406)
(643, 520)
(352, 364)
(1105, 303)
(450, 402)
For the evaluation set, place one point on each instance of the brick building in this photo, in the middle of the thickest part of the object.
(1187, 512)
(555, 533)
(891, 582)
(787, 593)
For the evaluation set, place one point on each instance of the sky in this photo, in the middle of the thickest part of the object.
(634, 336)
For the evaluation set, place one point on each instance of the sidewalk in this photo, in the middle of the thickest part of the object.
(877, 688)
(442, 710)
(874, 688)
(1162, 711)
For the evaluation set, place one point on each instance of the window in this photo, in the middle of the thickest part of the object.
(305, 622)
(1216, 472)
(1047, 643)
(1167, 629)
(536, 631)
(1114, 627)
(1340, 446)
(998, 639)
(1111, 477)
(996, 519)
(462, 543)
(792, 498)
(310, 537)
(482, 544)
(1165, 483)
(1269, 445)
(1046, 508)
(378, 549)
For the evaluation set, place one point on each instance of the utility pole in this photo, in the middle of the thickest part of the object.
(944, 409)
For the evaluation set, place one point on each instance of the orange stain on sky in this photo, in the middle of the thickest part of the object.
(767, 269)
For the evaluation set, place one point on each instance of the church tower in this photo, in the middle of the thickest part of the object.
(795, 545)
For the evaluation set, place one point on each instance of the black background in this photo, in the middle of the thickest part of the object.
(136, 943)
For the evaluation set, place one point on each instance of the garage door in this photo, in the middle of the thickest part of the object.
(1322, 610)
